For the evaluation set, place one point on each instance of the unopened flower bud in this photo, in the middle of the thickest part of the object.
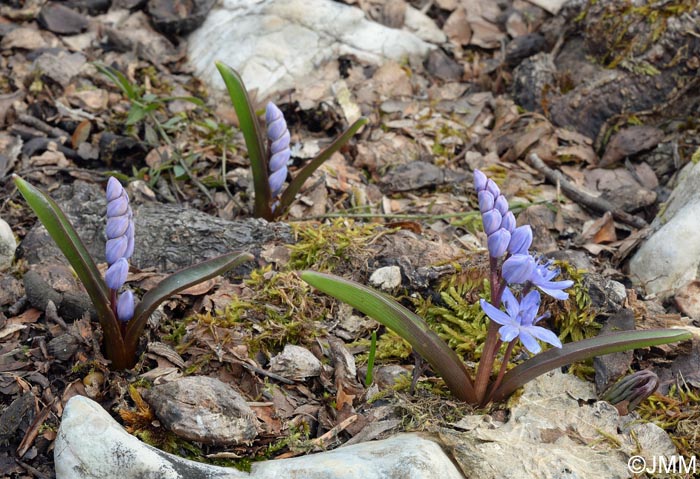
(518, 268)
(278, 134)
(492, 221)
(116, 274)
(493, 188)
(480, 180)
(508, 222)
(520, 240)
(486, 201)
(125, 306)
(501, 204)
(498, 243)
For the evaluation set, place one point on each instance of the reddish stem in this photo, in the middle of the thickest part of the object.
(488, 355)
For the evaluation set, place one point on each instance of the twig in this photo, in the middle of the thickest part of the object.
(52, 131)
(575, 194)
(262, 372)
(333, 433)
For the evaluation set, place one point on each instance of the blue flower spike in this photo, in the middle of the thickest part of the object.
(499, 223)
(119, 247)
(278, 134)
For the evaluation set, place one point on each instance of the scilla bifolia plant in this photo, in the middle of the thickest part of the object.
(121, 319)
(516, 279)
(269, 163)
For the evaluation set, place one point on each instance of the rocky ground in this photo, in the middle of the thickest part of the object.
(584, 112)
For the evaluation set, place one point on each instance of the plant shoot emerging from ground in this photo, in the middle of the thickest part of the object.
(122, 320)
(517, 278)
(268, 159)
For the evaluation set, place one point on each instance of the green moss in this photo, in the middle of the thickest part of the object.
(677, 413)
(327, 246)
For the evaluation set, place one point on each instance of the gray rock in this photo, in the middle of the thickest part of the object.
(203, 409)
(91, 445)
(8, 245)
(386, 278)
(611, 367)
(277, 44)
(296, 363)
(60, 19)
(60, 66)
(670, 257)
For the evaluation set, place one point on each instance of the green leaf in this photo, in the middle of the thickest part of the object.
(580, 350)
(313, 165)
(118, 79)
(175, 283)
(68, 241)
(403, 322)
(136, 114)
(254, 140)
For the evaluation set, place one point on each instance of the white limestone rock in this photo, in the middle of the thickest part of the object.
(670, 257)
(277, 44)
(386, 278)
(555, 431)
(295, 363)
(92, 445)
(8, 245)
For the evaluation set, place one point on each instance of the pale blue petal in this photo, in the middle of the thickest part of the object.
(498, 243)
(518, 268)
(511, 303)
(508, 333)
(529, 341)
(501, 204)
(496, 315)
(492, 221)
(544, 335)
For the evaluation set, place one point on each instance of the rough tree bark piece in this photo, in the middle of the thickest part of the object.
(167, 237)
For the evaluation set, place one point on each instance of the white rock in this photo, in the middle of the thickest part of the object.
(386, 278)
(670, 257)
(277, 44)
(92, 445)
(8, 245)
(295, 362)
(553, 432)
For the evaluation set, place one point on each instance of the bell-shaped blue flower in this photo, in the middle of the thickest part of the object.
(519, 319)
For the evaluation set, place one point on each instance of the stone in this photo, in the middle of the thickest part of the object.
(203, 409)
(92, 445)
(611, 367)
(555, 430)
(386, 278)
(25, 38)
(60, 66)
(178, 18)
(670, 257)
(688, 300)
(295, 363)
(8, 245)
(277, 44)
(58, 18)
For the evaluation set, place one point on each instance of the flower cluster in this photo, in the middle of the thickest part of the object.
(119, 248)
(278, 134)
(519, 267)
